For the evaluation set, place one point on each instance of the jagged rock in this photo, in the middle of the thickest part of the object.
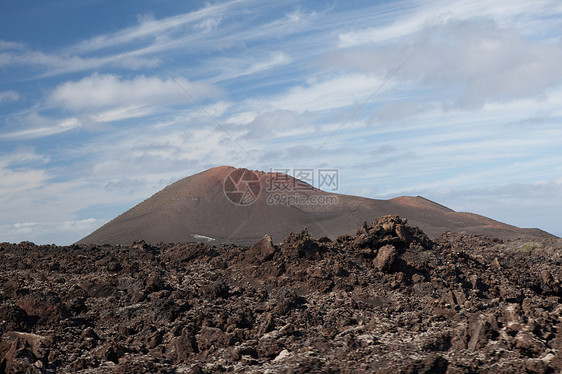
(218, 288)
(385, 258)
(511, 294)
(262, 251)
(528, 344)
(404, 233)
(13, 317)
(26, 352)
(434, 364)
(45, 306)
(301, 245)
(113, 353)
(89, 333)
(269, 345)
(266, 325)
(385, 300)
(11, 288)
(154, 284)
(182, 347)
(212, 336)
(512, 317)
(114, 267)
(286, 301)
(99, 289)
(480, 332)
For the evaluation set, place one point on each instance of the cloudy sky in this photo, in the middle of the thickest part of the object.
(103, 103)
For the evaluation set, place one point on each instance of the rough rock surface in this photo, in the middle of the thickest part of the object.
(385, 300)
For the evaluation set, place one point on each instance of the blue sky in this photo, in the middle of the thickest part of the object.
(465, 103)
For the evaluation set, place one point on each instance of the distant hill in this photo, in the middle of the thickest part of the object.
(239, 206)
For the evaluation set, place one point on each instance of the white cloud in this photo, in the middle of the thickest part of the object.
(40, 127)
(121, 113)
(8, 96)
(240, 118)
(22, 180)
(233, 68)
(4, 45)
(522, 204)
(208, 24)
(309, 110)
(276, 59)
(61, 64)
(213, 28)
(407, 22)
(19, 171)
(109, 91)
(164, 155)
(465, 63)
(326, 94)
(149, 37)
(149, 28)
(268, 124)
(60, 233)
(21, 156)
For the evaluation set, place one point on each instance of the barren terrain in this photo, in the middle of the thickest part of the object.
(197, 208)
(386, 299)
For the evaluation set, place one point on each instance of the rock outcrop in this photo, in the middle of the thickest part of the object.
(387, 300)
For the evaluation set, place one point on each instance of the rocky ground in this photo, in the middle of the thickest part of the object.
(386, 300)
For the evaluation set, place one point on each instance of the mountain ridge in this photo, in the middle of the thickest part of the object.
(209, 205)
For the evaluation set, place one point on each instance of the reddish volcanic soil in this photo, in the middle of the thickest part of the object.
(385, 299)
(197, 208)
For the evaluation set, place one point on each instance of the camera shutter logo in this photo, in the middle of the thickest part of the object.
(242, 187)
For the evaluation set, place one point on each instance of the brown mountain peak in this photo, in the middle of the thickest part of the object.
(237, 205)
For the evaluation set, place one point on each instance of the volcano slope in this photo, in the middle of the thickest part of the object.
(386, 300)
(197, 208)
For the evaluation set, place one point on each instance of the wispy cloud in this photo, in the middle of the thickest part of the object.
(121, 113)
(6, 45)
(61, 233)
(34, 126)
(154, 30)
(466, 63)
(20, 171)
(327, 94)
(404, 21)
(8, 96)
(213, 28)
(107, 91)
(241, 67)
(56, 64)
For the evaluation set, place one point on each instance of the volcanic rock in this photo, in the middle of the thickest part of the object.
(385, 257)
(385, 300)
